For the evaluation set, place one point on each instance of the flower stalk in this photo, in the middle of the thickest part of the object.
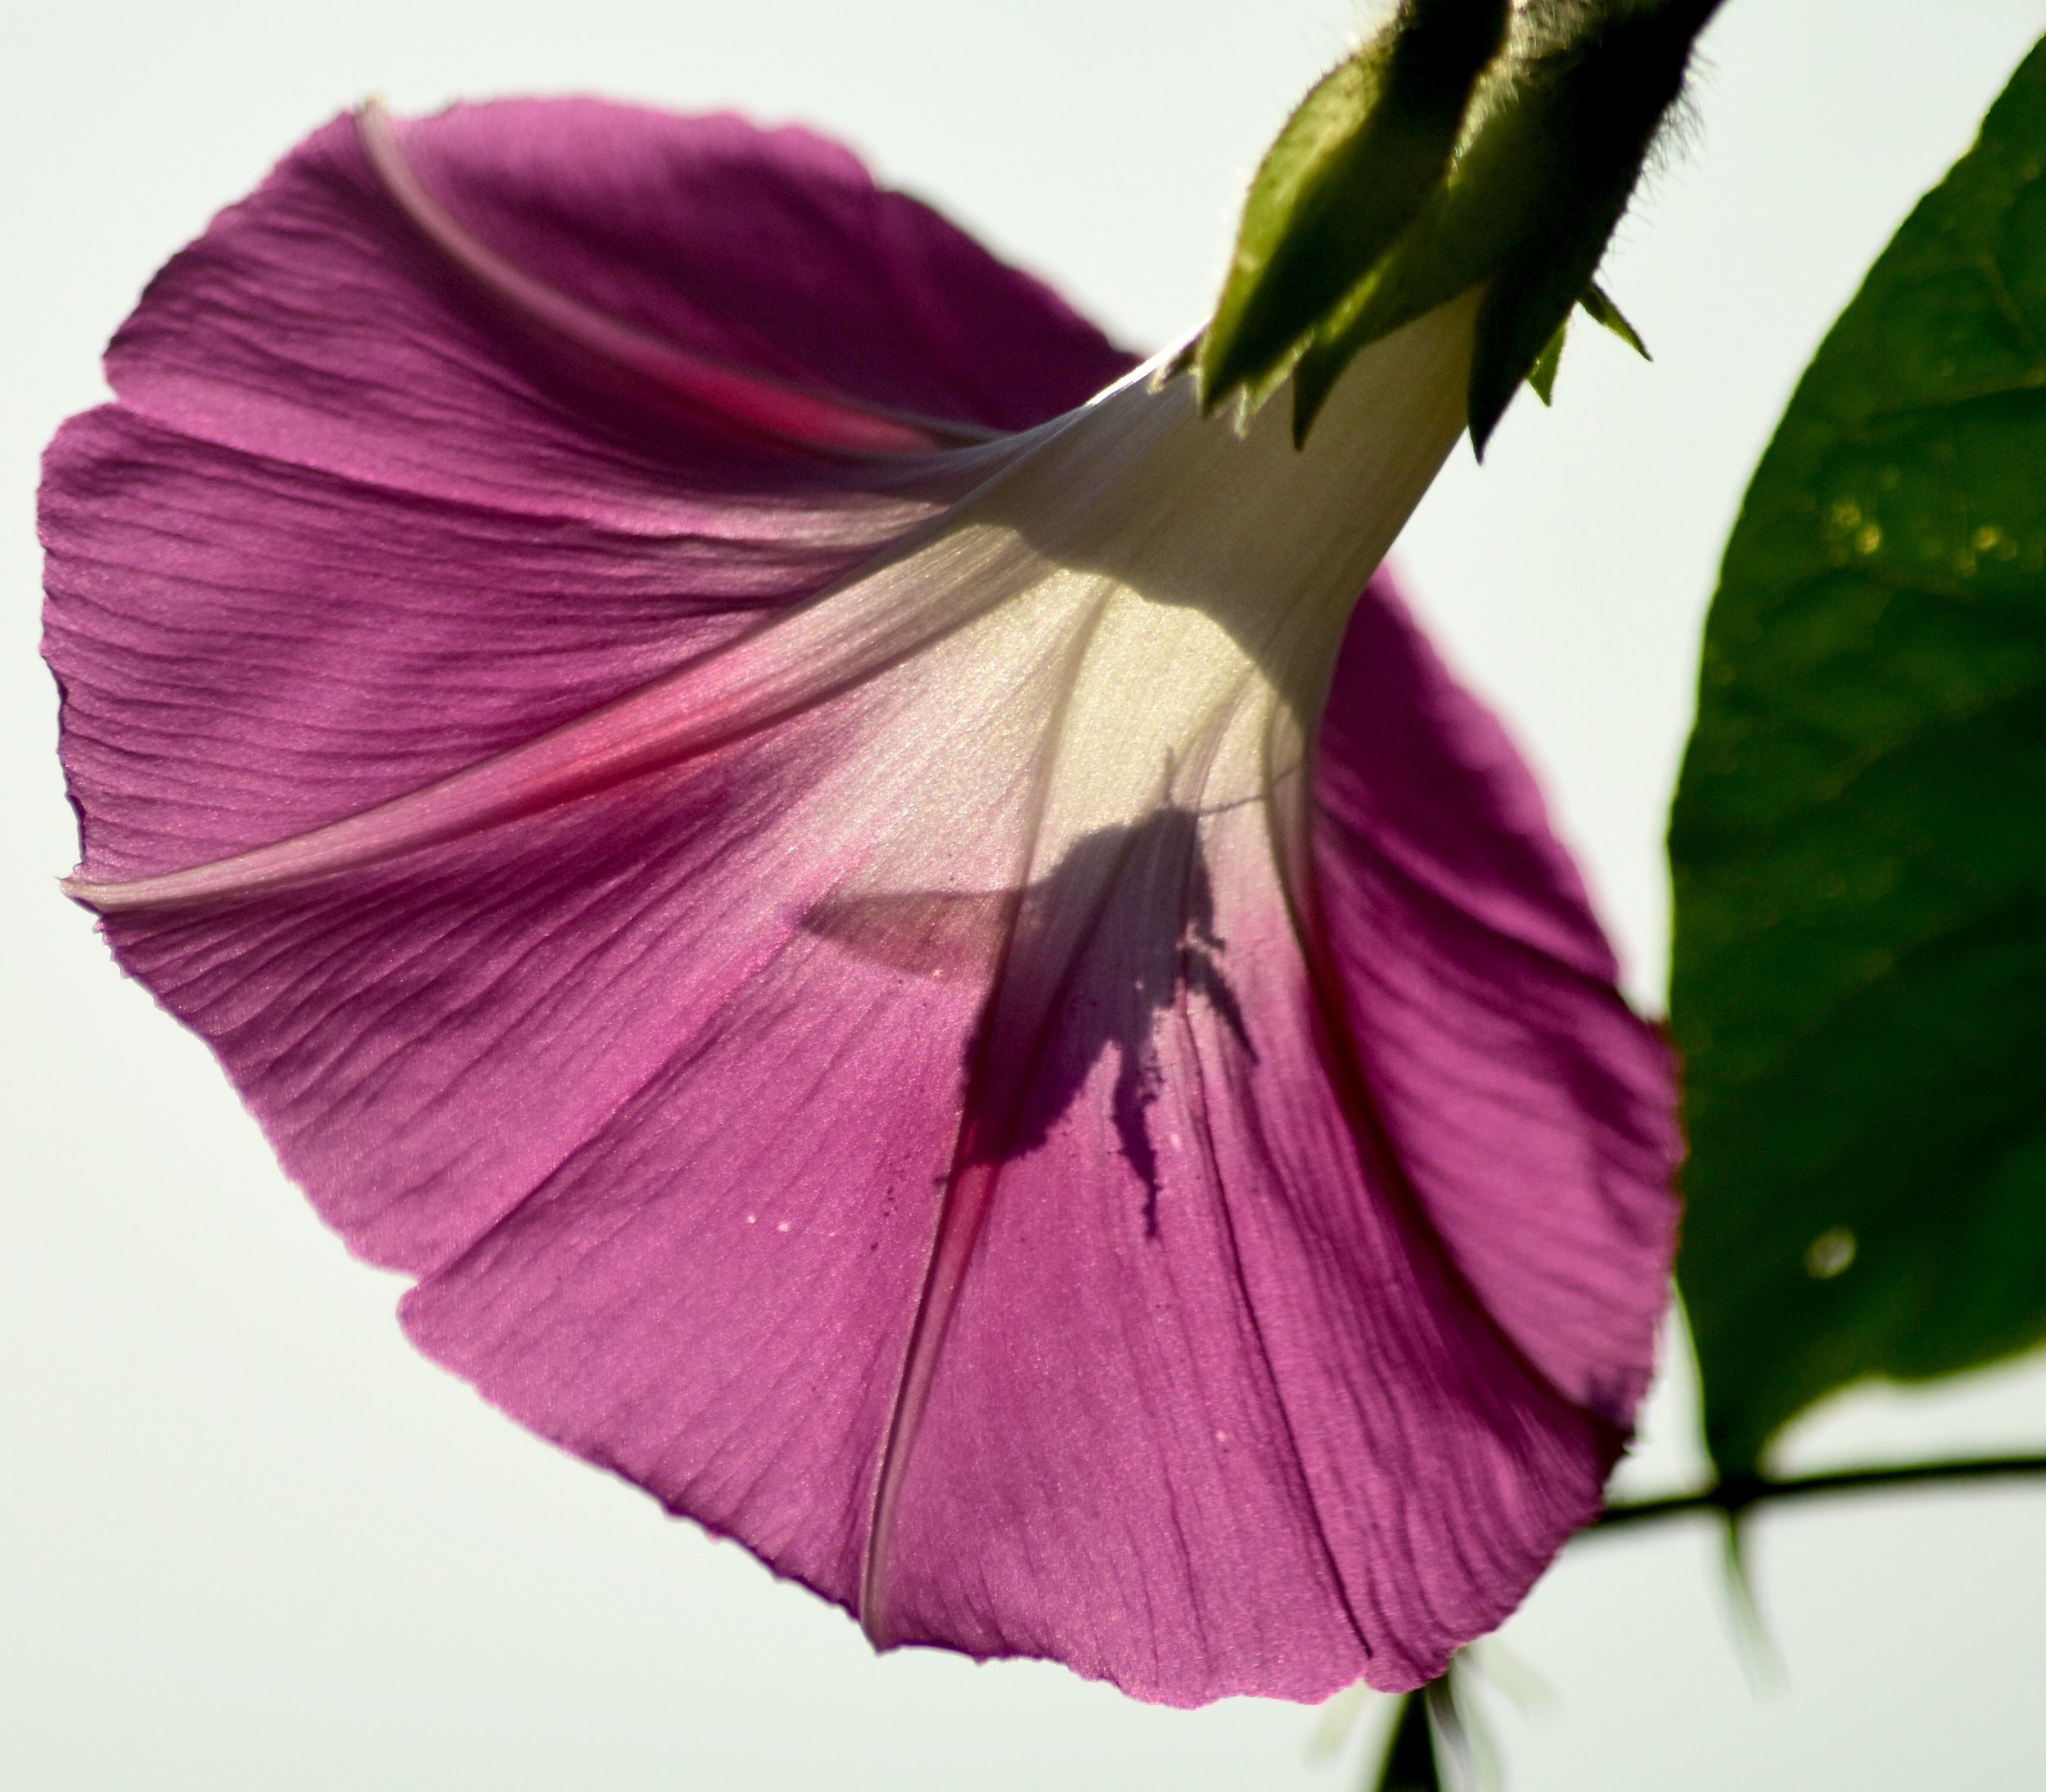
(1733, 1495)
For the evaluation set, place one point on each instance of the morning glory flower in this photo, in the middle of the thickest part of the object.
(900, 932)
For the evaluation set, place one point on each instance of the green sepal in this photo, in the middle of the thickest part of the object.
(1542, 376)
(1355, 162)
(1528, 302)
(1599, 307)
(1553, 142)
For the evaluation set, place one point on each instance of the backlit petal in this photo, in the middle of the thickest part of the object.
(929, 1037)
(314, 322)
(1531, 1113)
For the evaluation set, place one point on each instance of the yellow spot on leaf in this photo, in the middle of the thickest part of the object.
(1830, 1253)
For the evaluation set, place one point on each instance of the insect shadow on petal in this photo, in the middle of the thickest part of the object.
(1121, 928)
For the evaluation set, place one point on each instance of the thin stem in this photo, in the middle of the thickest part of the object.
(1738, 1493)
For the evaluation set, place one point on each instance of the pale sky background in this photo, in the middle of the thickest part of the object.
(248, 1542)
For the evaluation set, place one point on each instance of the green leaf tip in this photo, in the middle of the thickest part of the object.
(1470, 144)
(1858, 984)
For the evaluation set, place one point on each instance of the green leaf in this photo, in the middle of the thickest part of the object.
(1858, 845)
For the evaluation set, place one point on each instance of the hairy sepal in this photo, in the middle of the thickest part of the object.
(1353, 165)
(1551, 148)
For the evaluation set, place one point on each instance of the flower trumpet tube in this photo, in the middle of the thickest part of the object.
(854, 892)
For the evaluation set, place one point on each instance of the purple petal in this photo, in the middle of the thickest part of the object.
(356, 560)
(789, 410)
(1532, 1114)
(1213, 1414)
(250, 648)
(831, 973)
(315, 323)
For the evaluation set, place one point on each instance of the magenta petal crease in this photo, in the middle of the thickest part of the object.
(903, 936)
